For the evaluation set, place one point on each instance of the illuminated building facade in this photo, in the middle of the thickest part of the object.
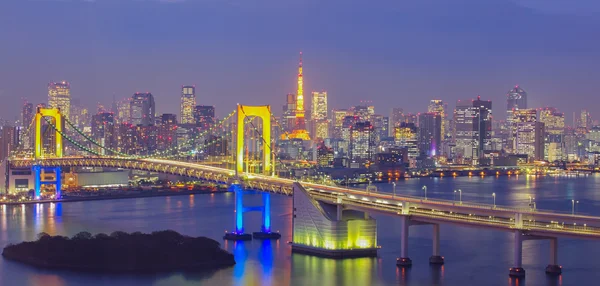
(554, 124)
(405, 136)
(430, 133)
(319, 116)
(585, 120)
(299, 131)
(520, 116)
(103, 131)
(473, 130)
(204, 116)
(437, 106)
(142, 109)
(188, 102)
(516, 99)
(362, 144)
(289, 113)
(167, 132)
(27, 116)
(337, 120)
(9, 141)
(325, 156)
(59, 96)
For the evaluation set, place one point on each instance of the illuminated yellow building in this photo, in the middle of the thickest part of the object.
(299, 130)
(188, 101)
(59, 96)
(320, 122)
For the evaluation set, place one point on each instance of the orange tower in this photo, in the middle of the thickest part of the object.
(299, 131)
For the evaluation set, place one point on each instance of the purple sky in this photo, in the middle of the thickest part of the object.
(397, 53)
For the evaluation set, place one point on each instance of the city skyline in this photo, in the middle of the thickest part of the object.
(398, 74)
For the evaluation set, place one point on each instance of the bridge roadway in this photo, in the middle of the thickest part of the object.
(534, 222)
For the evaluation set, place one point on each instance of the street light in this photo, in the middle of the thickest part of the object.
(573, 202)
(394, 188)
(425, 189)
(459, 195)
(494, 195)
(454, 197)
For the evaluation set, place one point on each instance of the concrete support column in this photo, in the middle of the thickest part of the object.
(404, 261)
(435, 257)
(517, 270)
(266, 213)
(405, 208)
(339, 209)
(553, 268)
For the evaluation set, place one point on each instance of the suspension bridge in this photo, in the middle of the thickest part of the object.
(328, 220)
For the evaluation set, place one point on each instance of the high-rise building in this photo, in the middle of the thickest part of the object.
(167, 132)
(337, 120)
(8, 141)
(473, 129)
(320, 121)
(204, 116)
(103, 131)
(430, 133)
(59, 96)
(288, 119)
(27, 114)
(362, 145)
(299, 130)
(123, 112)
(396, 117)
(142, 110)
(188, 102)
(585, 120)
(437, 106)
(325, 156)
(405, 136)
(530, 140)
(520, 116)
(516, 99)
(554, 123)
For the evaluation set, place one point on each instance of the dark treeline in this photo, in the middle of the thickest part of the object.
(123, 252)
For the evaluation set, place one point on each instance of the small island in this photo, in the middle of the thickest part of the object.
(122, 252)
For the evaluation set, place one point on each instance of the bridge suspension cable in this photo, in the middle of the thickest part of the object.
(265, 142)
(70, 139)
(92, 140)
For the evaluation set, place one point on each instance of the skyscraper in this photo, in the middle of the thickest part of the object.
(405, 136)
(299, 131)
(554, 124)
(396, 117)
(362, 146)
(516, 99)
(320, 122)
(528, 134)
(59, 96)
(27, 114)
(142, 109)
(288, 119)
(437, 106)
(103, 131)
(430, 127)
(204, 116)
(188, 102)
(473, 125)
(167, 132)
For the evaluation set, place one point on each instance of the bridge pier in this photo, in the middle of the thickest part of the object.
(553, 268)
(435, 257)
(404, 260)
(38, 182)
(517, 270)
(265, 209)
(325, 228)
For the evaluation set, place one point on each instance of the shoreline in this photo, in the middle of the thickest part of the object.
(117, 197)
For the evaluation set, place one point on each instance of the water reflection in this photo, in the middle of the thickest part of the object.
(313, 270)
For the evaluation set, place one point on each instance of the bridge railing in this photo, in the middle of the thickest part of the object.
(462, 203)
